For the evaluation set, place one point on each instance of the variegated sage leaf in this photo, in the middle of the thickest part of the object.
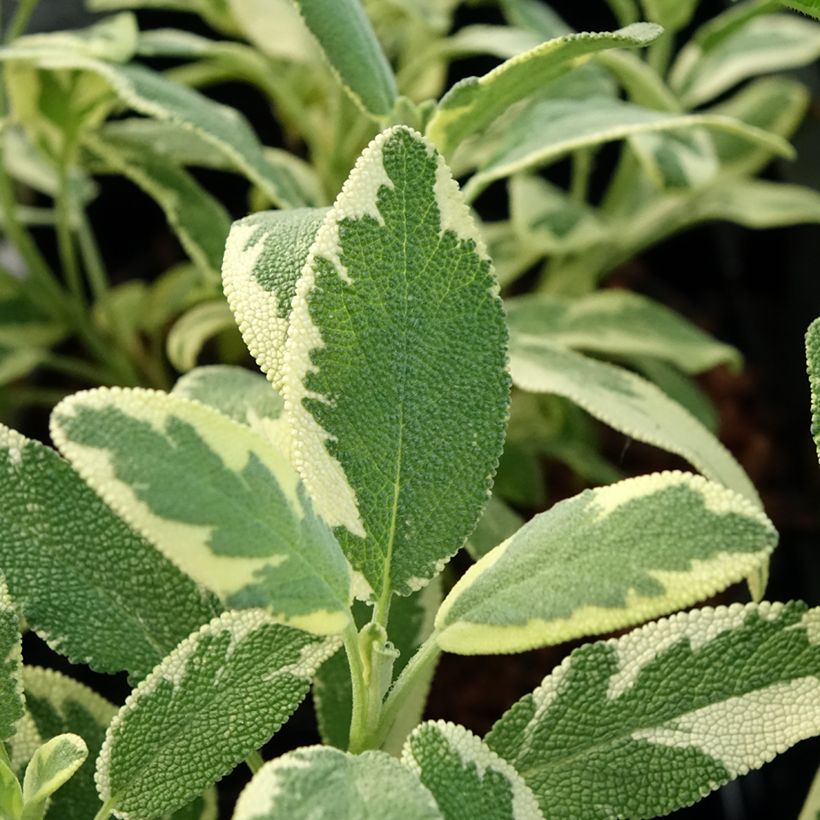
(813, 359)
(352, 49)
(191, 331)
(617, 323)
(628, 403)
(642, 725)
(320, 782)
(52, 765)
(91, 587)
(604, 560)
(243, 526)
(221, 694)
(395, 383)
(465, 776)
(11, 684)
(472, 104)
(55, 705)
(264, 258)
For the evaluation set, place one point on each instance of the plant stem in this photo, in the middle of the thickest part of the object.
(70, 366)
(358, 719)
(65, 238)
(254, 762)
(19, 21)
(92, 260)
(660, 53)
(105, 811)
(581, 173)
(625, 11)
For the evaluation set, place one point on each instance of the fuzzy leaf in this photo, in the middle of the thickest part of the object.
(222, 693)
(640, 726)
(350, 45)
(11, 685)
(243, 527)
(813, 359)
(264, 258)
(51, 767)
(465, 776)
(193, 329)
(395, 383)
(320, 782)
(629, 404)
(472, 104)
(608, 558)
(617, 323)
(85, 582)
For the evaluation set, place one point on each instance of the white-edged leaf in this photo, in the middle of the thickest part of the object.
(316, 782)
(813, 359)
(618, 323)
(52, 766)
(221, 694)
(604, 560)
(84, 581)
(465, 776)
(11, 666)
(264, 258)
(395, 382)
(691, 701)
(243, 527)
(473, 103)
(189, 334)
(628, 403)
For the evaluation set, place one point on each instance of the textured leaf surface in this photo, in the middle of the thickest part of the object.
(319, 782)
(52, 766)
(813, 359)
(11, 685)
(217, 697)
(642, 725)
(353, 51)
(812, 9)
(264, 258)
(465, 776)
(217, 498)
(472, 104)
(57, 705)
(395, 384)
(85, 582)
(619, 323)
(629, 404)
(603, 560)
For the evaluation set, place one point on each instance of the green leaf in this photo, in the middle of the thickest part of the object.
(691, 702)
(628, 403)
(503, 42)
(16, 362)
(264, 257)
(56, 705)
(199, 220)
(11, 795)
(498, 523)
(276, 28)
(52, 765)
(810, 8)
(11, 684)
(617, 323)
(350, 45)
(321, 782)
(465, 776)
(811, 808)
(677, 159)
(813, 359)
(221, 694)
(193, 329)
(535, 16)
(79, 574)
(243, 526)
(763, 45)
(395, 380)
(214, 12)
(547, 130)
(608, 559)
(472, 104)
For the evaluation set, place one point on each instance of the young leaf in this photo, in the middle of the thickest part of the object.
(11, 795)
(640, 726)
(395, 381)
(217, 697)
(86, 582)
(264, 257)
(191, 331)
(353, 52)
(11, 684)
(813, 359)
(472, 104)
(629, 404)
(244, 527)
(52, 765)
(465, 776)
(604, 560)
(497, 524)
(321, 782)
(57, 705)
(617, 323)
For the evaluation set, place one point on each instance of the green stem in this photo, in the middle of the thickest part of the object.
(76, 367)
(358, 719)
(254, 761)
(625, 11)
(19, 22)
(65, 238)
(105, 811)
(92, 259)
(660, 53)
(581, 173)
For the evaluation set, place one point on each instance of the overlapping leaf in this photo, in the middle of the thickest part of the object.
(52, 766)
(604, 560)
(640, 726)
(194, 329)
(11, 666)
(813, 358)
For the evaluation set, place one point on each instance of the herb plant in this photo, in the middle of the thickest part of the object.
(211, 541)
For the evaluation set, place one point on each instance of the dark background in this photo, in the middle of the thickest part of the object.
(755, 290)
